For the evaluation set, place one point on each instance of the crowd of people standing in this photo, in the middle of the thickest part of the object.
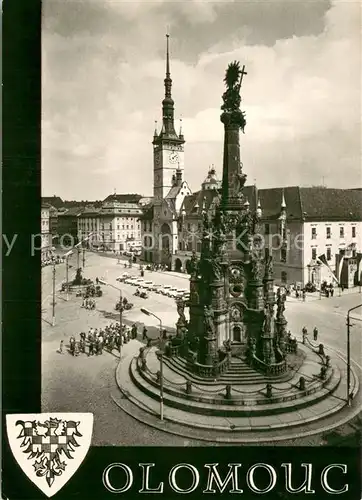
(110, 338)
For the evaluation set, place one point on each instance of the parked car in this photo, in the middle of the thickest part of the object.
(155, 288)
(172, 292)
(148, 285)
(130, 281)
(123, 277)
(165, 289)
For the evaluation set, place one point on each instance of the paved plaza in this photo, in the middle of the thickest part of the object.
(87, 383)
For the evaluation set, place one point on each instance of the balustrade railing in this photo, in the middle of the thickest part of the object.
(272, 369)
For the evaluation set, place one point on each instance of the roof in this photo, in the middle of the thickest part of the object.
(318, 203)
(88, 211)
(124, 198)
(72, 212)
(271, 200)
(55, 201)
(312, 203)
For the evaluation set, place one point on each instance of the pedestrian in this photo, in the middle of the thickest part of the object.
(91, 347)
(61, 347)
(304, 294)
(134, 331)
(164, 334)
(97, 280)
(327, 293)
(332, 290)
(315, 333)
(144, 333)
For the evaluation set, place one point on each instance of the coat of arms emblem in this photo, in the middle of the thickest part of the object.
(49, 447)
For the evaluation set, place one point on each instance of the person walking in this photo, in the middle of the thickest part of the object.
(315, 334)
(61, 347)
(91, 347)
(144, 333)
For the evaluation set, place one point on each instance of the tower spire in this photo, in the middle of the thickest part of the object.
(168, 126)
(168, 81)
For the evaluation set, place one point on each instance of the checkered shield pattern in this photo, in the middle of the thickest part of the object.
(50, 447)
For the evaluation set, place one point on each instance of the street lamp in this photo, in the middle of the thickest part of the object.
(349, 400)
(67, 255)
(149, 313)
(102, 282)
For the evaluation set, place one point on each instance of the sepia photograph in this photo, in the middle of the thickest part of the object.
(201, 221)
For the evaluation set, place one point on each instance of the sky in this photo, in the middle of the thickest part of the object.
(103, 65)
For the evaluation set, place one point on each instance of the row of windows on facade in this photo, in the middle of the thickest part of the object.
(103, 226)
(328, 253)
(314, 231)
(86, 221)
(329, 232)
(104, 237)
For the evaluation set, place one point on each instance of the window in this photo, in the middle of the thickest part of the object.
(314, 233)
(267, 228)
(118, 227)
(353, 231)
(284, 277)
(127, 226)
(341, 232)
(283, 255)
(189, 227)
(314, 253)
(328, 229)
(329, 253)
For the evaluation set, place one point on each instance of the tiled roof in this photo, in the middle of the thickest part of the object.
(312, 203)
(55, 201)
(331, 204)
(124, 198)
(72, 212)
(271, 200)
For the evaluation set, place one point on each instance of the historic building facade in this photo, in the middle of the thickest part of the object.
(309, 232)
(306, 229)
(160, 218)
(115, 226)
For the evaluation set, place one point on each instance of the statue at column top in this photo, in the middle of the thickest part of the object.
(231, 97)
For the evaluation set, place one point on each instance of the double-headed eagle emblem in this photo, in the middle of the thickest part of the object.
(47, 442)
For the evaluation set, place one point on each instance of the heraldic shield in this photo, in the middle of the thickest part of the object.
(50, 447)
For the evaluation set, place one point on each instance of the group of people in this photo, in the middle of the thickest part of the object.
(305, 333)
(111, 337)
(157, 267)
(328, 289)
(53, 260)
(88, 303)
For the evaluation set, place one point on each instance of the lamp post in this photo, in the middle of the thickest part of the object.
(149, 313)
(349, 400)
(67, 255)
(102, 282)
(83, 258)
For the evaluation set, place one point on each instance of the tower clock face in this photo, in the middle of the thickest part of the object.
(173, 157)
